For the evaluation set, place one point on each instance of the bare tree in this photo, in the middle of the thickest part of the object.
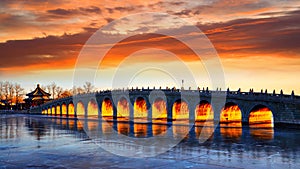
(58, 91)
(88, 87)
(48, 87)
(53, 89)
(1, 90)
(6, 91)
(66, 93)
(18, 91)
(79, 90)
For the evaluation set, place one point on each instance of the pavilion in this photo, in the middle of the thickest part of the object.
(37, 97)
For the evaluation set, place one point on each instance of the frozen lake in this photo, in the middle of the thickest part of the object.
(45, 142)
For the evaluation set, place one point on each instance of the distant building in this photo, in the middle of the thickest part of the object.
(37, 97)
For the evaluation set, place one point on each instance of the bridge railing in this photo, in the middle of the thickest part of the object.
(203, 92)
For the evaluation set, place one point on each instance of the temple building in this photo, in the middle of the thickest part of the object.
(37, 97)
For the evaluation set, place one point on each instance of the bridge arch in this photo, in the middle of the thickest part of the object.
(260, 116)
(48, 111)
(140, 108)
(58, 109)
(180, 110)
(53, 110)
(231, 115)
(159, 110)
(80, 109)
(204, 111)
(107, 108)
(71, 110)
(64, 109)
(123, 108)
(92, 108)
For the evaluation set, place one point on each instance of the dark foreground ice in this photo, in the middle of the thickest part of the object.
(45, 142)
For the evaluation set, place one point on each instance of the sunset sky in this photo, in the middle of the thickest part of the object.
(257, 41)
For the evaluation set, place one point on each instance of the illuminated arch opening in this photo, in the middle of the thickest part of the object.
(64, 109)
(58, 110)
(53, 110)
(107, 109)
(204, 112)
(71, 111)
(180, 111)
(49, 111)
(159, 111)
(92, 109)
(231, 115)
(123, 109)
(261, 117)
(140, 109)
(80, 109)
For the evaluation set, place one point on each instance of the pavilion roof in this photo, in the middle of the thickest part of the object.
(38, 92)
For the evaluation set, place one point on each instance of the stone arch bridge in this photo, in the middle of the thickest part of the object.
(285, 108)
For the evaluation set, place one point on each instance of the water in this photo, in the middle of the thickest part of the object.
(45, 142)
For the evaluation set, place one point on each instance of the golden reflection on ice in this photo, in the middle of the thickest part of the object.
(181, 131)
(123, 128)
(231, 132)
(140, 130)
(262, 134)
(159, 129)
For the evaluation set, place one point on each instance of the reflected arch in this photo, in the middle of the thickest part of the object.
(231, 115)
(261, 116)
(92, 108)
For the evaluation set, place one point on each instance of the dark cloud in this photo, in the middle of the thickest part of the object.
(48, 50)
(242, 37)
(60, 11)
(123, 8)
(257, 36)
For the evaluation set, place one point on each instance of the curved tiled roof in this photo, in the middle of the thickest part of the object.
(38, 92)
